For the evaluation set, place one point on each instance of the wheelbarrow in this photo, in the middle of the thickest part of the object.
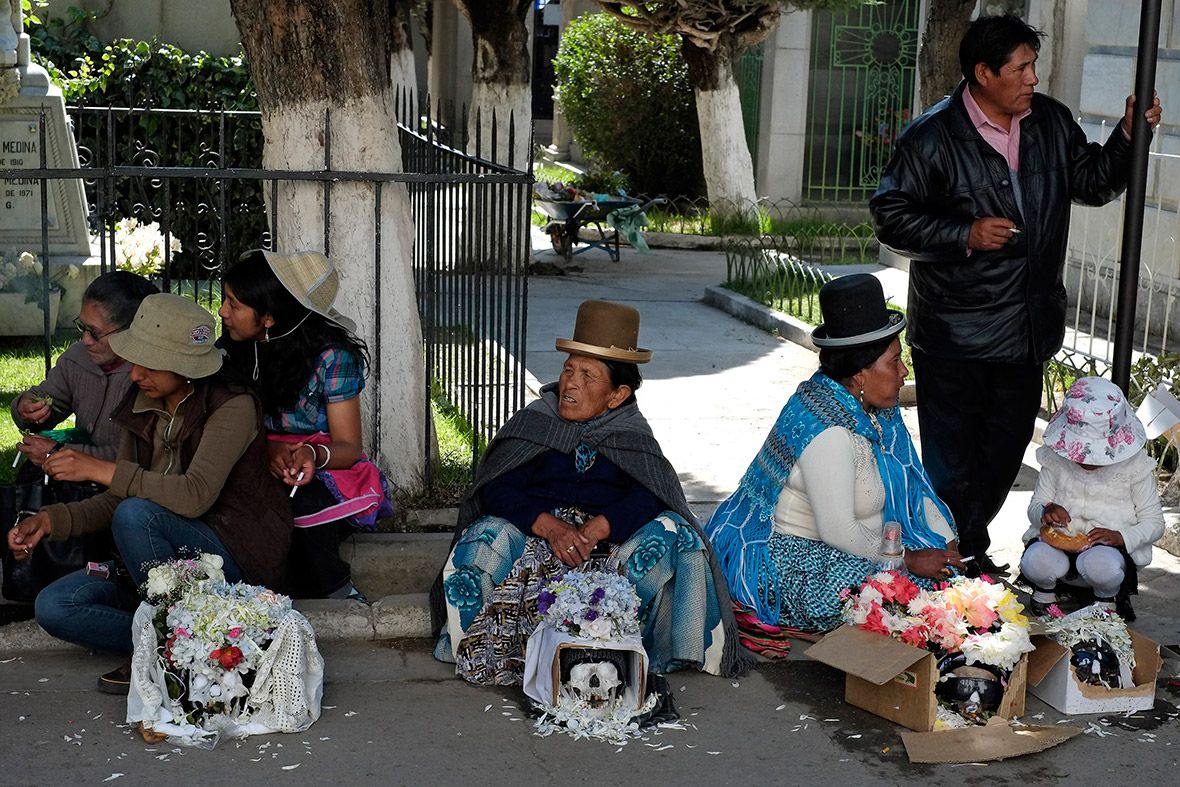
(568, 219)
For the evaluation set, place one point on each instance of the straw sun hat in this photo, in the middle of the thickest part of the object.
(312, 279)
(172, 334)
(607, 331)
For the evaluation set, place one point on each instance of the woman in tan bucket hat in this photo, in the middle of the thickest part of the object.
(190, 476)
(574, 474)
(283, 331)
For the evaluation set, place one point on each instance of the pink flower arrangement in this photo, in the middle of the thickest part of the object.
(975, 616)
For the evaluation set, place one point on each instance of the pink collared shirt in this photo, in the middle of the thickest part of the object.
(1006, 143)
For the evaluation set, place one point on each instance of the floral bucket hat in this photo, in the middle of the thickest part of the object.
(1094, 425)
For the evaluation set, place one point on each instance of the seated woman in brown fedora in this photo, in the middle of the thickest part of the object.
(575, 473)
(807, 518)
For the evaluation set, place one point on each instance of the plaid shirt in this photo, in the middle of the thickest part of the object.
(337, 377)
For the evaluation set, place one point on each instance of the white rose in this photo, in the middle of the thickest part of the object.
(27, 259)
(159, 582)
(597, 629)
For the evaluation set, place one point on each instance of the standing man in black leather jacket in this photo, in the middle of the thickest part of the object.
(978, 196)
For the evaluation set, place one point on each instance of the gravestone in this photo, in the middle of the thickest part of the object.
(29, 99)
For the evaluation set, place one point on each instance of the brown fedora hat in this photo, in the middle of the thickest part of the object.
(606, 330)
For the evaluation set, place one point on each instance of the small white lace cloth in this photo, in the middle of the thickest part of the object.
(285, 697)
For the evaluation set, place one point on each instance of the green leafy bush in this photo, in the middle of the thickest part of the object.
(150, 75)
(630, 105)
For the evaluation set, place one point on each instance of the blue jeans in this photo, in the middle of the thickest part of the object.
(95, 612)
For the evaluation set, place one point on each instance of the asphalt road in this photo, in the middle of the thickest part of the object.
(392, 716)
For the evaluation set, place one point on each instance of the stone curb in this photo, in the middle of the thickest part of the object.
(334, 620)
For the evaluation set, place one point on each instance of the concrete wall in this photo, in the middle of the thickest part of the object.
(206, 25)
(782, 133)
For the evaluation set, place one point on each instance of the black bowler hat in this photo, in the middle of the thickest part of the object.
(854, 313)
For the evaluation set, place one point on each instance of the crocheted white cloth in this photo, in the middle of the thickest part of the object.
(285, 696)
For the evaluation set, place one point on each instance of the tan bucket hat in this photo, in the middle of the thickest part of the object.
(313, 281)
(606, 330)
(172, 334)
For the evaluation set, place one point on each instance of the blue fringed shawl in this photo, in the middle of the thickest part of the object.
(741, 526)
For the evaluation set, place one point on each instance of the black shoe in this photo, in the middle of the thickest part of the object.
(117, 681)
(1038, 609)
(983, 564)
(1122, 606)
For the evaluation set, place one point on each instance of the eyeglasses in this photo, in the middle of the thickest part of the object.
(84, 329)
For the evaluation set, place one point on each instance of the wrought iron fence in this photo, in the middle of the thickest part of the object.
(470, 231)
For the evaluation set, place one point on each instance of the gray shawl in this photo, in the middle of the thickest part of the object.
(625, 438)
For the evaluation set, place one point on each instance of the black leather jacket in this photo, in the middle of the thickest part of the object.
(1006, 305)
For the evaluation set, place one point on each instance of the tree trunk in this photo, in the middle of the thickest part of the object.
(938, 57)
(501, 80)
(308, 57)
(728, 167)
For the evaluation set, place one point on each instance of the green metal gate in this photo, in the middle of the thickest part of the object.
(749, 79)
(861, 91)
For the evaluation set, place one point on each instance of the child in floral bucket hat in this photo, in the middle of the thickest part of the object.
(1096, 510)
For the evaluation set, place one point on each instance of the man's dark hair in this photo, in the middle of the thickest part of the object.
(118, 294)
(991, 40)
(840, 363)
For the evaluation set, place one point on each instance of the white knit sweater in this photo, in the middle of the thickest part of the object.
(1122, 497)
(835, 494)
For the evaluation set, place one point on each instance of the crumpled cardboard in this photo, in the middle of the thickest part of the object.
(997, 740)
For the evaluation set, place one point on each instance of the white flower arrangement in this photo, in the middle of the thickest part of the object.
(1090, 623)
(592, 604)
(210, 637)
(139, 248)
(21, 272)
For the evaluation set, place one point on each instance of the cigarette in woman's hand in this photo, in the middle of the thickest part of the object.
(297, 479)
(16, 459)
(967, 559)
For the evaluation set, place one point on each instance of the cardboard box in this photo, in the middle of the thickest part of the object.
(892, 679)
(887, 677)
(1051, 678)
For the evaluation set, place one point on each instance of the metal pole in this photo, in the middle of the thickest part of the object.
(1149, 31)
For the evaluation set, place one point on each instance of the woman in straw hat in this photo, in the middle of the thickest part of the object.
(189, 477)
(577, 473)
(282, 331)
(807, 518)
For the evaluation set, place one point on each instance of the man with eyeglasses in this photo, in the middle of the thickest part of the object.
(88, 380)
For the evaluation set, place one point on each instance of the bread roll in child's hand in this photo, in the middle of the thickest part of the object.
(1064, 537)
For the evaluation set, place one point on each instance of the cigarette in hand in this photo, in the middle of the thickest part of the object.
(1014, 230)
(297, 479)
(16, 459)
(967, 559)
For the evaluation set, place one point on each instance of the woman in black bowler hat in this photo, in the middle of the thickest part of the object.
(807, 519)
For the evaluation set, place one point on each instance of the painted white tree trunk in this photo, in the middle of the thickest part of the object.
(377, 286)
(729, 170)
(513, 107)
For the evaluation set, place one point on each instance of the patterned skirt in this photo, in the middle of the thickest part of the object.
(494, 574)
(811, 575)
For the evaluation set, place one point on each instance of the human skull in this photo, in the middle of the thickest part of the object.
(969, 690)
(597, 684)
